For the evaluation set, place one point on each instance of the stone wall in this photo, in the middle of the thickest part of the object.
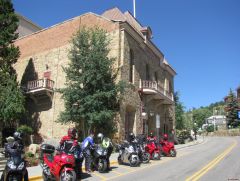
(51, 47)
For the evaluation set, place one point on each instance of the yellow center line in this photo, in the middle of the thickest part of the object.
(196, 176)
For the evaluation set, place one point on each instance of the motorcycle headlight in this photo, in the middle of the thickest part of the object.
(21, 166)
(11, 165)
(105, 152)
(131, 149)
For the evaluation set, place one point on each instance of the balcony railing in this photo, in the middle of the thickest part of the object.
(40, 84)
(156, 86)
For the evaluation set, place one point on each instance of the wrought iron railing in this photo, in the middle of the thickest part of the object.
(157, 86)
(40, 83)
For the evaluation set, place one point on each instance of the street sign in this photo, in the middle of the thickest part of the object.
(238, 114)
(157, 121)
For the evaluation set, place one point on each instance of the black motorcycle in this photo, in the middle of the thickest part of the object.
(99, 154)
(140, 144)
(15, 169)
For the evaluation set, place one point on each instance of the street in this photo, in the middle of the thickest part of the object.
(216, 159)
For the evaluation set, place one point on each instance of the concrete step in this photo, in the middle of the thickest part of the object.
(2, 167)
(3, 162)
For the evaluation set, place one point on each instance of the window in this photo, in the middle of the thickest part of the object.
(131, 66)
(156, 76)
(147, 72)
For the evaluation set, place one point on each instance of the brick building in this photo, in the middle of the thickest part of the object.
(141, 63)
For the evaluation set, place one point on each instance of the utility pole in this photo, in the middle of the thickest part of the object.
(134, 8)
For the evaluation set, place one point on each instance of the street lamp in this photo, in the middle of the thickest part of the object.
(195, 130)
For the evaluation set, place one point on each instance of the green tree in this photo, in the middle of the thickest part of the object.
(91, 95)
(179, 112)
(200, 115)
(11, 97)
(231, 109)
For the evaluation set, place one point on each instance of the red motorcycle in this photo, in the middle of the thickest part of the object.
(168, 148)
(58, 167)
(153, 149)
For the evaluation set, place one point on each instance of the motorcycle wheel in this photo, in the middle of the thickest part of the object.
(120, 162)
(102, 165)
(45, 177)
(134, 162)
(14, 178)
(68, 175)
(173, 153)
(145, 157)
(156, 156)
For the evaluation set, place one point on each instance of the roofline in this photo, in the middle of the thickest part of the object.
(126, 22)
(47, 28)
(29, 21)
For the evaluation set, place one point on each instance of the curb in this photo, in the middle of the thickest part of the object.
(198, 143)
(36, 178)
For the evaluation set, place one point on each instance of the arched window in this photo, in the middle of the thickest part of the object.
(131, 66)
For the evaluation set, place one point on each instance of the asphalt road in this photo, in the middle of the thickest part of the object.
(217, 159)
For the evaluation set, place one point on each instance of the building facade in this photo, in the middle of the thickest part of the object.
(26, 27)
(141, 63)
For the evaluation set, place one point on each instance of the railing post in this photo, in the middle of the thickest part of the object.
(44, 82)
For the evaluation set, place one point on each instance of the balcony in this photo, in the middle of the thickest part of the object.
(41, 90)
(156, 89)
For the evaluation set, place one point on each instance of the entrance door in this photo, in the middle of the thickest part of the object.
(129, 122)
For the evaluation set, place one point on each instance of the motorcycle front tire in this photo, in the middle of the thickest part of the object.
(173, 153)
(133, 162)
(14, 177)
(70, 175)
(145, 158)
(45, 177)
(102, 165)
(120, 162)
(156, 156)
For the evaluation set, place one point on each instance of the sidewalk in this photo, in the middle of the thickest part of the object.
(35, 173)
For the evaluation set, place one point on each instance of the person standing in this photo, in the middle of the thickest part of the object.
(87, 146)
(106, 142)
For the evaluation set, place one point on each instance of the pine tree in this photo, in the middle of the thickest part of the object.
(11, 98)
(91, 95)
(179, 112)
(231, 109)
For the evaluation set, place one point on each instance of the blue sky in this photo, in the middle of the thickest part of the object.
(200, 39)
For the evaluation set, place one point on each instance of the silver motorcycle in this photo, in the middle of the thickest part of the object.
(128, 154)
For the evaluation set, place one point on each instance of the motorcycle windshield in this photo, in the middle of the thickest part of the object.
(101, 151)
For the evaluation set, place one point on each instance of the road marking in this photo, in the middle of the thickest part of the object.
(116, 172)
(196, 176)
(153, 163)
(99, 175)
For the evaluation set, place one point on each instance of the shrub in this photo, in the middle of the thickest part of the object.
(210, 128)
(25, 129)
(182, 135)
